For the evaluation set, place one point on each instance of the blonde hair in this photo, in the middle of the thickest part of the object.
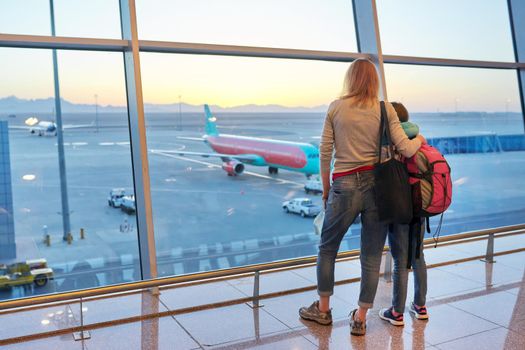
(361, 83)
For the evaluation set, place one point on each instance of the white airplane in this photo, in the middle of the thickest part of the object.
(45, 128)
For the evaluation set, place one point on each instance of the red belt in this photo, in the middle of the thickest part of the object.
(353, 171)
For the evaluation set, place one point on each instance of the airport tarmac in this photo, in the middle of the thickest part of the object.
(203, 219)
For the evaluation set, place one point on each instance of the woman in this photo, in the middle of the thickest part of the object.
(351, 129)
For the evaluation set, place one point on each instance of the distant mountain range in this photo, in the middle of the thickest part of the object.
(14, 105)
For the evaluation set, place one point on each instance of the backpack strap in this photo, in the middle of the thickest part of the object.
(417, 229)
(410, 240)
(414, 236)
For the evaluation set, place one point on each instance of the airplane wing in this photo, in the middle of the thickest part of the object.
(22, 127)
(77, 126)
(244, 158)
(37, 127)
(190, 138)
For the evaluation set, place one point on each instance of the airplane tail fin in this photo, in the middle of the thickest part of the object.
(210, 127)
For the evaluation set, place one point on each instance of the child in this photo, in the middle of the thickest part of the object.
(399, 242)
(410, 128)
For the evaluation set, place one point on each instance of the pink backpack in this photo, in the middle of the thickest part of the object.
(430, 180)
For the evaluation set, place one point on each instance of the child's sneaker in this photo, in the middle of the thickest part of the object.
(419, 312)
(387, 315)
(357, 327)
(312, 313)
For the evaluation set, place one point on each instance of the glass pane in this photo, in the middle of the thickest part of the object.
(94, 18)
(104, 248)
(74, 18)
(447, 29)
(205, 219)
(312, 24)
(473, 117)
(29, 17)
(476, 101)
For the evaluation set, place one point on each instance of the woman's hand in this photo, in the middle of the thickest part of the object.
(325, 198)
(422, 139)
(325, 178)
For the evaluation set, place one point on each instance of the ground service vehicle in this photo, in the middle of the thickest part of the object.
(25, 273)
(313, 186)
(302, 206)
(115, 197)
(128, 204)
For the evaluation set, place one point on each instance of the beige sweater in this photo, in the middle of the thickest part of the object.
(353, 133)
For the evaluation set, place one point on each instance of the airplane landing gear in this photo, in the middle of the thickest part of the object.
(272, 170)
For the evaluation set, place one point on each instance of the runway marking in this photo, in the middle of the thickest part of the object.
(173, 146)
(167, 190)
(460, 181)
(210, 165)
(106, 143)
(125, 143)
(73, 144)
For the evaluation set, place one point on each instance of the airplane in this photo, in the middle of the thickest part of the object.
(236, 151)
(44, 128)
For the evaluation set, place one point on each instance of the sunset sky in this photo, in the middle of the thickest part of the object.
(445, 28)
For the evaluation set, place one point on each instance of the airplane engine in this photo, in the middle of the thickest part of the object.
(233, 167)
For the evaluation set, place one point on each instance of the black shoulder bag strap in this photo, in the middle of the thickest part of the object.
(384, 133)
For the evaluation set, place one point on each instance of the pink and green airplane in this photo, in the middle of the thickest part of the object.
(237, 151)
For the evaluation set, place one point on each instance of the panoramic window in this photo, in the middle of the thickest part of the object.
(232, 141)
(230, 198)
(446, 29)
(39, 253)
(473, 116)
(313, 25)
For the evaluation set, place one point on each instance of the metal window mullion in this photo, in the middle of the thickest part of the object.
(119, 45)
(517, 26)
(368, 37)
(138, 144)
(246, 51)
(450, 62)
(66, 222)
(60, 42)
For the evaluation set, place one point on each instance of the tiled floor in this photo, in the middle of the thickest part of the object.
(472, 305)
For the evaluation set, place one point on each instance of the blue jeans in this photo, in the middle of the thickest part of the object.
(349, 196)
(398, 240)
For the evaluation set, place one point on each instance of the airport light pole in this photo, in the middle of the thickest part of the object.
(60, 136)
(507, 101)
(96, 112)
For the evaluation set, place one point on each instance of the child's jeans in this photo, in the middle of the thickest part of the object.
(398, 240)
